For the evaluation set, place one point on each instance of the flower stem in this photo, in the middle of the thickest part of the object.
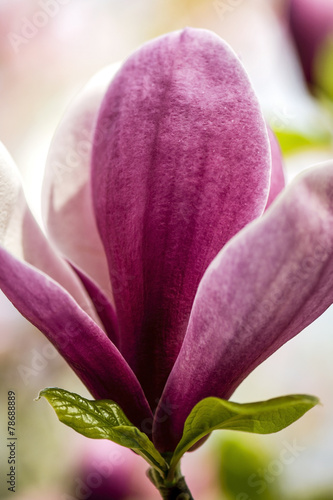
(177, 490)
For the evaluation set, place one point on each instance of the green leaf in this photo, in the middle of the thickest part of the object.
(323, 67)
(263, 417)
(293, 140)
(102, 419)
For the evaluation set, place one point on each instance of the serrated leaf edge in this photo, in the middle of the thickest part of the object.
(161, 465)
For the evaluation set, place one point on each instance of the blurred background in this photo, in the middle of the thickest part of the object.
(48, 51)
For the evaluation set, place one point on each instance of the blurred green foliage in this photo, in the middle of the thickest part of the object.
(293, 140)
(323, 68)
(243, 471)
(247, 471)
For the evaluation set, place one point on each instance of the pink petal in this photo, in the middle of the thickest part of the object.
(182, 167)
(311, 21)
(271, 281)
(103, 307)
(67, 201)
(84, 346)
(277, 175)
(21, 235)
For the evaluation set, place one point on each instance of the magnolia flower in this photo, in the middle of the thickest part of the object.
(311, 23)
(161, 280)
